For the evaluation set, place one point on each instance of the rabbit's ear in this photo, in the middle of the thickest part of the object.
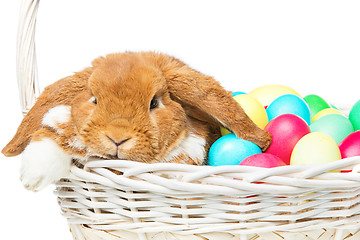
(194, 89)
(61, 92)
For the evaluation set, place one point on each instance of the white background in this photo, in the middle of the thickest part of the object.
(311, 46)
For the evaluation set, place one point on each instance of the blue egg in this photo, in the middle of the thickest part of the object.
(231, 150)
(237, 93)
(288, 104)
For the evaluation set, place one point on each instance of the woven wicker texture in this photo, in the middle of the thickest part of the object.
(185, 200)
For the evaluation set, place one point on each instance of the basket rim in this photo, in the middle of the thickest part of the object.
(138, 167)
(165, 177)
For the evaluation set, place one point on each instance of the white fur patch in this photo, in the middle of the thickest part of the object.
(74, 142)
(43, 162)
(193, 146)
(57, 115)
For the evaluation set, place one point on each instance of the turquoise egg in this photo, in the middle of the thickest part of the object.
(336, 126)
(237, 93)
(231, 150)
(289, 104)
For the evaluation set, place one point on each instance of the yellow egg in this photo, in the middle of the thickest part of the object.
(253, 109)
(326, 111)
(315, 148)
(268, 93)
(224, 131)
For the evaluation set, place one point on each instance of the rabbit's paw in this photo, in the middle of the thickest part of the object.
(43, 163)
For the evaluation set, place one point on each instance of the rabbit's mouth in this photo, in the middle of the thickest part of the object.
(116, 157)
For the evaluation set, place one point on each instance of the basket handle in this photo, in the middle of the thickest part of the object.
(26, 67)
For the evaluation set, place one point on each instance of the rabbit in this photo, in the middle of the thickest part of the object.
(140, 106)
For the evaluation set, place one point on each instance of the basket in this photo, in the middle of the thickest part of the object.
(118, 199)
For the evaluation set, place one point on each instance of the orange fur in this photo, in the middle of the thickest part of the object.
(61, 92)
(124, 85)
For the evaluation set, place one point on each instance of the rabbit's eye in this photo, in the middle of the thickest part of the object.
(93, 100)
(154, 103)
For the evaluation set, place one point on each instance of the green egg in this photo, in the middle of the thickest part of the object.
(316, 104)
(354, 116)
(335, 125)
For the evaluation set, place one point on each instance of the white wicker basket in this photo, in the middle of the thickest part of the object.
(129, 200)
(132, 200)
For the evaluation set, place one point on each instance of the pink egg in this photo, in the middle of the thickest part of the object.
(265, 160)
(286, 131)
(350, 146)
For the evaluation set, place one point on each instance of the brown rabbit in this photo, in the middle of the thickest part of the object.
(146, 107)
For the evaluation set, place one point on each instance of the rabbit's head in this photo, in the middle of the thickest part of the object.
(127, 111)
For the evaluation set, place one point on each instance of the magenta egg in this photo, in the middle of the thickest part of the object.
(350, 146)
(286, 131)
(265, 160)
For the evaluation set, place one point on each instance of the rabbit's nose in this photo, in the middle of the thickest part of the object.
(118, 143)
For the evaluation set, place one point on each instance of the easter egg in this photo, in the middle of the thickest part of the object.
(253, 109)
(316, 104)
(289, 103)
(265, 160)
(286, 131)
(237, 93)
(335, 125)
(315, 148)
(231, 150)
(268, 93)
(324, 112)
(224, 131)
(350, 146)
(354, 116)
